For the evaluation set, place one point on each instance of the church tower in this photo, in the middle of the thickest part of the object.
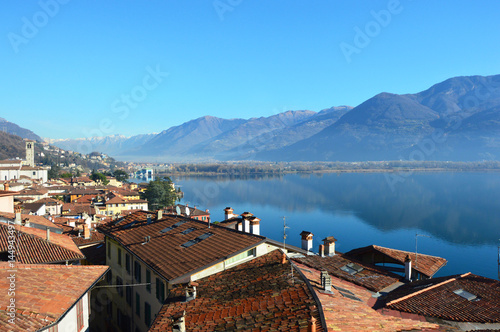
(30, 153)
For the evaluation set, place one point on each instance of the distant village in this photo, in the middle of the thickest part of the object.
(85, 254)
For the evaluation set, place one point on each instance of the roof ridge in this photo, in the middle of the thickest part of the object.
(427, 288)
(410, 252)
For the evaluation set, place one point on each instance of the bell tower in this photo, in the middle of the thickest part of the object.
(30, 153)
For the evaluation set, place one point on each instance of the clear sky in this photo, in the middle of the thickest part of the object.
(77, 68)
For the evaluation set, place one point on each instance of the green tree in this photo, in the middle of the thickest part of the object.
(120, 175)
(53, 172)
(99, 177)
(160, 193)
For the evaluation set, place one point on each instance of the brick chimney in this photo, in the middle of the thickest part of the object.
(86, 231)
(329, 243)
(307, 240)
(6, 187)
(312, 324)
(228, 213)
(321, 250)
(326, 281)
(408, 268)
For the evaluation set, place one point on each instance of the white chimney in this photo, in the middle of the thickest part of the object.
(179, 324)
(228, 213)
(408, 268)
(307, 240)
(255, 226)
(326, 281)
(329, 243)
(160, 214)
(17, 219)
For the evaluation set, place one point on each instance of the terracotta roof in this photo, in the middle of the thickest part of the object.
(371, 277)
(32, 207)
(349, 308)
(193, 211)
(259, 295)
(37, 220)
(49, 201)
(77, 209)
(165, 253)
(32, 246)
(425, 264)
(15, 161)
(94, 237)
(437, 298)
(44, 293)
(5, 193)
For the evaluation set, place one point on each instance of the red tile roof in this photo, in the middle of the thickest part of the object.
(32, 246)
(77, 209)
(44, 292)
(38, 220)
(259, 295)
(343, 313)
(164, 251)
(425, 264)
(371, 277)
(436, 298)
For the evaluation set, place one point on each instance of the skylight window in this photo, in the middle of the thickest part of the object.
(187, 231)
(129, 225)
(197, 240)
(352, 268)
(173, 226)
(466, 295)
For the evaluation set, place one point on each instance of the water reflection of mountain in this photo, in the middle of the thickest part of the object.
(456, 207)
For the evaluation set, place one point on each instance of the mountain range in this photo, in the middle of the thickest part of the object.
(457, 119)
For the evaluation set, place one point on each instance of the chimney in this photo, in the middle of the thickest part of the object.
(6, 187)
(321, 250)
(255, 226)
(17, 219)
(283, 258)
(160, 214)
(326, 281)
(228, 213)
(179, 324)
(191, 291)
(312, 324)
(48, 234)
(408, 268)
(86, 231)
(329, 243)
(307, 240)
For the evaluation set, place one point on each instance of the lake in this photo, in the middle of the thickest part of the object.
(456, 215)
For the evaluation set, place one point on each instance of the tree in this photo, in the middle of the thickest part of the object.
(99, 177)
(120, 175)
(160, 193)
(53, 172)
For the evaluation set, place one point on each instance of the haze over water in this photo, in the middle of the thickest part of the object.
(457, 215)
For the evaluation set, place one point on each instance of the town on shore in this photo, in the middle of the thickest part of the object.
(95, 252)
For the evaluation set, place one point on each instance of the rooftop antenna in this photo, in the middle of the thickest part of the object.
(416, 245)
(284, 232)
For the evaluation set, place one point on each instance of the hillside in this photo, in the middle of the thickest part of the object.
(14, 129)
(11, 146)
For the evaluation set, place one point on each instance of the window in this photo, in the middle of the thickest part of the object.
(137, 271)
(241, 256)
(119, 283)
(119, 256)
(147, 314)
(127, 263)
(352, 268)
(148, 280)
(79, 315)
(137, 304)
(128, 295)
(109, 277)
(160, 290)
(34, 173)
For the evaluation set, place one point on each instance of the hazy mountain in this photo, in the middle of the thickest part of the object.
(14, 129)
(113, 145)
(447, 121)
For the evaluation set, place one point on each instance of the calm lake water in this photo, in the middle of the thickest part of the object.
(457, 215)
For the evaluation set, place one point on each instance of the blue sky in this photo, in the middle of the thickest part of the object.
(78, 68)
